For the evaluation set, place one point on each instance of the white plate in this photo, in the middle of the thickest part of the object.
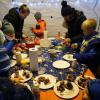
(61, 64)
(78, 78)
(42, 85)
(54, 50)
(69, 57)
(51, 38)
(24, 79)
(13, 63)
(66, 94)
(24, 56)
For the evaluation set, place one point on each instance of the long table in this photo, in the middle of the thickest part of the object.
(49, 94)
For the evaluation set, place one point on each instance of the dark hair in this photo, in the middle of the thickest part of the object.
(66, 9)
(10, 91)
(64, 3)
(24, 9)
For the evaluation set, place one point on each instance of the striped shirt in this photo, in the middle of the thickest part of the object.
(4, 59)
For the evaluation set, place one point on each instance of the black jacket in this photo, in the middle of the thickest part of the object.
(14, 18)
(74, 27)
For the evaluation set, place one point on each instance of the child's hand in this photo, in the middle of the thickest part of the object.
(74, 46)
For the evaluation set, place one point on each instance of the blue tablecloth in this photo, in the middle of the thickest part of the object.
(59, 73)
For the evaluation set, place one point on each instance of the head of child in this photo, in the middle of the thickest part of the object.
(9, 31)
(89, 26)
(92, 91)
(38, 16)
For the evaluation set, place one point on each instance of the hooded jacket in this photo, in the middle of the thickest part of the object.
(17, 22)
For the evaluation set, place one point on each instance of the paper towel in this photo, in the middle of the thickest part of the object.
(33, 56)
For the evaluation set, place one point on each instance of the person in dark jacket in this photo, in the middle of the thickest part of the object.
(11, 91)
(73, 19)
(16, 17)
(90, 48)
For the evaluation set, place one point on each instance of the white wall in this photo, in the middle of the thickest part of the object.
(54, 24)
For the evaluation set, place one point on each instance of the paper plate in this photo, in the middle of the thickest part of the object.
(69, 57)
(61, 64)
(54, 50)
(20, 73)
(51, 38)
(42, 85)
(85, 82)
(66, 94)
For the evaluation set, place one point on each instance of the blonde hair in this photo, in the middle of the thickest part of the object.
(89, 24)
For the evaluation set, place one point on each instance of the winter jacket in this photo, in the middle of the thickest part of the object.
(90, 53)
(38, 31)
(74, 27)
(14, 18)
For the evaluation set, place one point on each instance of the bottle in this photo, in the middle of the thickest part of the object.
(58, 36)
(18, 57)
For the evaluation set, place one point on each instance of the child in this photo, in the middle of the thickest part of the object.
(40, 27)
(90, 48)
(10, 41)
(4, 58)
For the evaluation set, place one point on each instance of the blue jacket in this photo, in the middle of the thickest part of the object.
(90, 52)
(4, 58)
(9, 45)
(93, 87)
